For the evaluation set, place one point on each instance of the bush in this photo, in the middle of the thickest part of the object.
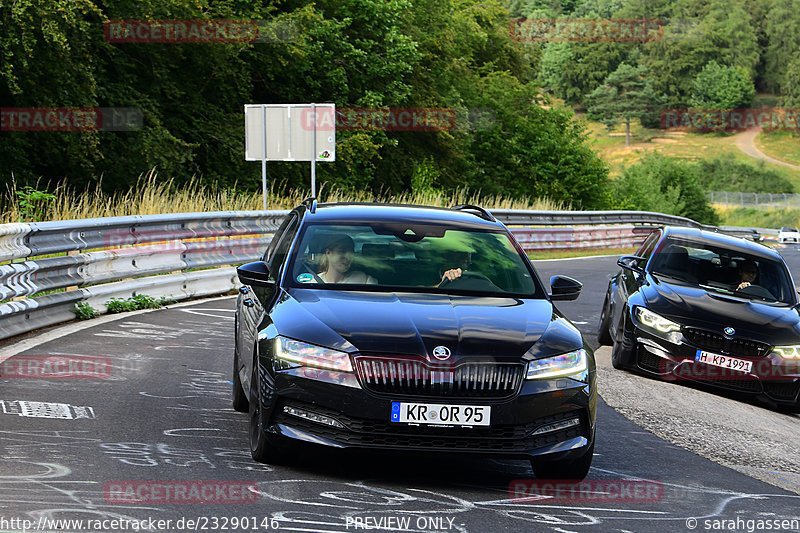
(664, 185)
(726, 173)
(84, 311)
(134, 303)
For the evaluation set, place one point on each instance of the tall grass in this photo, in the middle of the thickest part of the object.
(757, 218)
(152, 195)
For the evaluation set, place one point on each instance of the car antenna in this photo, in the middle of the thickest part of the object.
(311, 203)
(481, 212)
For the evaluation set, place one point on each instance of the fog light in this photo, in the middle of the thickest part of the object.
(556, 426)
(314, 417)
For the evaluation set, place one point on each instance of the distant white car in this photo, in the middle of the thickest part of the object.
(789, 234)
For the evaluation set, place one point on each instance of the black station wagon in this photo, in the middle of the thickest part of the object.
(410, 328)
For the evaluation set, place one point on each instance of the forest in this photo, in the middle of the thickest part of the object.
(514, 100)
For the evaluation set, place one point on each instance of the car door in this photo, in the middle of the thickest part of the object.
(251, 300)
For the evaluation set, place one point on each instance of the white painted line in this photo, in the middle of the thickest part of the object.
(63, 331)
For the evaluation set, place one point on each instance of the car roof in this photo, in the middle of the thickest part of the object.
(360, 213)
(720, 239)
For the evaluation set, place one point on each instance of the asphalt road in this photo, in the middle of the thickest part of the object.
(161, 417)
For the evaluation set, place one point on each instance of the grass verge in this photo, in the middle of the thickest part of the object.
(152, 196)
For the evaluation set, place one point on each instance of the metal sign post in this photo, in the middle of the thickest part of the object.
(264, 158)
(290, 132)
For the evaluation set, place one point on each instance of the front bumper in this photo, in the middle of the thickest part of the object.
(772, 376)
(362, 417)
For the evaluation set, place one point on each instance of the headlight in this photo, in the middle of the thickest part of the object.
(655, 321)
(561, 365)
(310, 355)
(788, 352)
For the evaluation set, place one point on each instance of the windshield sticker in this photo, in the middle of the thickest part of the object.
(305, 277)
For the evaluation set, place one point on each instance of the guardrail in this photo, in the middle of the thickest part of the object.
(48, 267)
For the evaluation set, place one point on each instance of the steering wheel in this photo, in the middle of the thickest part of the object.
(469, 280)
(758, 291)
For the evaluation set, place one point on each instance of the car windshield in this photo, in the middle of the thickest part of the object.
(723, 270)
(789, 230)
(381, 256)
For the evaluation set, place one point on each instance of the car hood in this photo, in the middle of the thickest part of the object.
(695, 306)
(414, 324)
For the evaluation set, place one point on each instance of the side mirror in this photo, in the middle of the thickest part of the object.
(632, 262)
(255, 274)
(564, 288)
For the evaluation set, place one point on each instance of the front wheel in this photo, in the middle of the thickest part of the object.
(238, 398)
(264, 448)
(574, 470)
(624, 346)
(603, 336)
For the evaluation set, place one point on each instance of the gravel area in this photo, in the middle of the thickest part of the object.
(753, 439)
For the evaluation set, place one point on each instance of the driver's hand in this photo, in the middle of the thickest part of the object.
(450, 275)
(742, 285)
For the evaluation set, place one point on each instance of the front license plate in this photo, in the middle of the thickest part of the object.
(723, 361)
(440, 414)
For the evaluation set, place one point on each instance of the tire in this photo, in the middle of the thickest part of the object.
(603, 336)
(238, 397)
(624, 346)
(264, 448)
(575, 470)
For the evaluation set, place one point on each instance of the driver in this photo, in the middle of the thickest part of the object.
(335, 264)
(461, 260)
(747, 274)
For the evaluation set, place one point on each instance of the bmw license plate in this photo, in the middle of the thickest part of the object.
(723, 361)
(441, 414)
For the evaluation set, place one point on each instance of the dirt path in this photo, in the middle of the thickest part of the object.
(745, 141)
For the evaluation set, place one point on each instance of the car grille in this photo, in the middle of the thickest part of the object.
(782, 390)
(515, 439)
(648, 361)
(714, 342)
(411, 376)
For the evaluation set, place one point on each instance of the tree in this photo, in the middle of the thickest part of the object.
(783, 36)
(718, 87)
(626, 94)
(664, 185)
(790, 98)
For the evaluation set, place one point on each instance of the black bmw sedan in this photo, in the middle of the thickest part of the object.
(410, 328)
(710, 308)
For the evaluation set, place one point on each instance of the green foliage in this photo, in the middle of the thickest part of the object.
(664, 185)
(531, 151)
(626, 94)
(355, 53)
(718, 87)
(32, 203)
(760, 218)
(572, 70)
(791, 92)
(726, 173)
(84, 311)
(782, 32)
(134, 303)
(425, 177)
